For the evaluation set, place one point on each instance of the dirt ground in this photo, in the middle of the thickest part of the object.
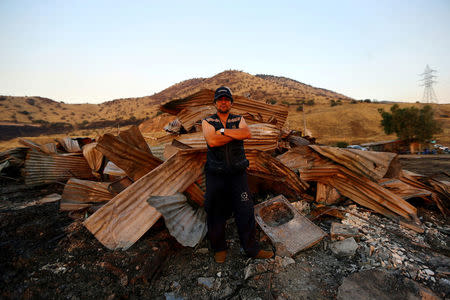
(45, 253)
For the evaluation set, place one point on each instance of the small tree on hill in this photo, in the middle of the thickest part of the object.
(411, 123)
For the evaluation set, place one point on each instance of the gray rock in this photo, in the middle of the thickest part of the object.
(202, 251)
(346, 247)
(172, 296)
(207, 282)
(287, 261)
(339, 231)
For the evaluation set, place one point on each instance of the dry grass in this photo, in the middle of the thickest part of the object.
(356, 123)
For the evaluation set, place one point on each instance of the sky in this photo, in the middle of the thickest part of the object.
(86, 51)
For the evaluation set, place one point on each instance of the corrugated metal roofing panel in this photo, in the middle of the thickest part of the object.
(190, 115)
(133, 136)
(158, 151)
(41, 168)
(135, 162)
(373, 165)
(124, 219)
(241, 105)
(93, 157)
(47, 148)
(69, 144)
(402, 189)
(84, 193)
(186, 224)
(264, 165)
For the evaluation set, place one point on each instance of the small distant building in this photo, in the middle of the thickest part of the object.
(397, 146)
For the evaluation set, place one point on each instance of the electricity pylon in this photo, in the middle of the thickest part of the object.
(428, 93)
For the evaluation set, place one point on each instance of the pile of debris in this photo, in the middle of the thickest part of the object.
(125, 185)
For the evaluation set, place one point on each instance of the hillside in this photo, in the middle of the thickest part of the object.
(259, 87)
(351, 121)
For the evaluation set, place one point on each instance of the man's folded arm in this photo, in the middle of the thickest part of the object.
(212, 138)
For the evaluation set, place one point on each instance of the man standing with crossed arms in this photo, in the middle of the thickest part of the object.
(226, 179)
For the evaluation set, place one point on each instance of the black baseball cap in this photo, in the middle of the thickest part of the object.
(223, 91)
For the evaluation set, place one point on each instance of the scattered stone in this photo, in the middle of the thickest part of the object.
(202, 251)
(346, 247)
(55, 268)
(254, 269)
(287, 261)
(172, 296)
(341, 231)
(207, 282)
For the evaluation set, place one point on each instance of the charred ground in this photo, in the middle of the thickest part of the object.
(45, 253)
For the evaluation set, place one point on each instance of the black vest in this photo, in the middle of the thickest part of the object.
(229, 158)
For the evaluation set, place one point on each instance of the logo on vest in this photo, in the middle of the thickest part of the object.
(244, 197)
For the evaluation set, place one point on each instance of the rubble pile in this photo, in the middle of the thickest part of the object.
(123, 186)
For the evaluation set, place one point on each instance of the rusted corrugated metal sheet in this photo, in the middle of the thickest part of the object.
(124, 219)
(113, 170)
(186, 224)
(360, 189)
(158, 151)
(47, 148)
(190, 115)
(196, 194)
(80, 194)
(93, 156)
(135, 162)
(302, 157)
(440, 190)
(13, 158)
(373, 165)
(404, 190)
(261, 112)
(276, 175)
(133, 137)
(69, 144)
(41, 168)
(327, 194)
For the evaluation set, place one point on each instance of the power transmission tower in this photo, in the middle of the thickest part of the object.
(428, 93)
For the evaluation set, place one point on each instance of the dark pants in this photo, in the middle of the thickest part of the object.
(227, 194)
